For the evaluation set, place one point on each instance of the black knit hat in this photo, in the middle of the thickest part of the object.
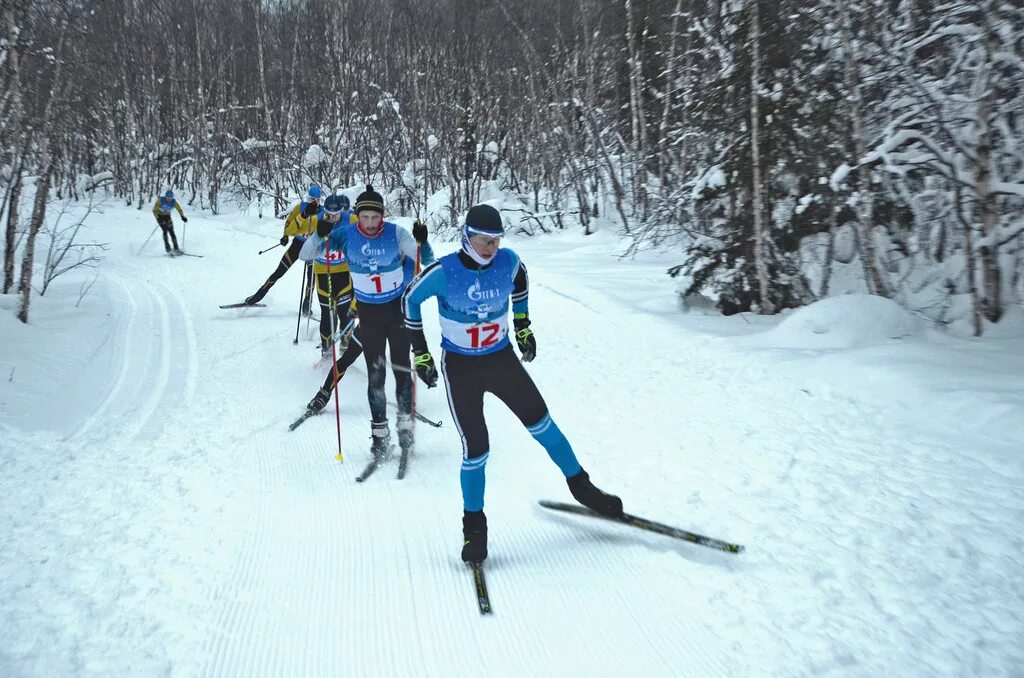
(485, 220)
(370, 200)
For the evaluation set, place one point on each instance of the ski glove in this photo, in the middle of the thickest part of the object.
(184, 218)
(524, 337)
(419, 232)
(425, 368)
(284, 241)
(323, 228)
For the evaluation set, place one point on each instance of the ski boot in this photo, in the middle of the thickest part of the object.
(381, 446)
(319, 401)
(474, 535)
(594, 499)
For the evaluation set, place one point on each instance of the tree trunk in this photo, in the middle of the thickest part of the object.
(757, 198)
(272, 156)
(865, 201)
(13, 64)
(38, 216)
(12, 228)
(992, 306)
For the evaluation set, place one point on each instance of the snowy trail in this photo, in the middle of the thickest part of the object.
(185, 531)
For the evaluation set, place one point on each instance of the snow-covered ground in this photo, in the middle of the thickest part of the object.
(159, 519)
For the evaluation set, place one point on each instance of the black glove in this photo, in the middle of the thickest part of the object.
(184, 218)
(310, 209)
(323, 228)
(419, 232)
(524, 337)
(425, 368)
(284, 241)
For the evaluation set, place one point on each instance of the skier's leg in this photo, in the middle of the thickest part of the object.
(325, 310)
(466, 402)
(163, 229)
(289, 257)
(512, 384)
(372, 335)
(347, 359)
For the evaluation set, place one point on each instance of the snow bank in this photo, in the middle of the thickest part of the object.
(849, 321)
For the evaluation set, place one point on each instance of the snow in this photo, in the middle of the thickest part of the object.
(160, 519)
(848, 321)
(314, 156)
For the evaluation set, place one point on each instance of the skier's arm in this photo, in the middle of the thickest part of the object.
(177, 206)
(408, 246)
(431, 282)
(311, 248)
(156, 208)
(520, 312)
(291, 224)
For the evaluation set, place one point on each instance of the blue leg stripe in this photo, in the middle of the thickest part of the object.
(472, 478)
(547, 433)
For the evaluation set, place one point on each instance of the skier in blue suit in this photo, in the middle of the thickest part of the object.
(474, 286)
(376, 250)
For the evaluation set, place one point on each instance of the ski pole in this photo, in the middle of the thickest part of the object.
(302, 291)
(334, 349)
(148, 239)
(416, 272)
(261, 251)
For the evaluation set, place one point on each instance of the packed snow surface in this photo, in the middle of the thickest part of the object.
(159, 518)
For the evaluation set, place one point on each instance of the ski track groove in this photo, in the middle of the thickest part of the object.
(125, 358)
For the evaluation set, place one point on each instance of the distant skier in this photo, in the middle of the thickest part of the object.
(309, 205)
(162, 211)
(375, 250)
(473, 287)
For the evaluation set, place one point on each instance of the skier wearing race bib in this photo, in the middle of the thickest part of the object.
(334, 212)
(293, 226)
(375, 251)
(162, 211)
(474, 286)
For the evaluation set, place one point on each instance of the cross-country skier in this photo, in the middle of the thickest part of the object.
(473, 287)
(309, 205)
(162, 211)
(375, 250)
(334, 212)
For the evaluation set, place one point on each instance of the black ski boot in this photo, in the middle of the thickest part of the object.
(381, 446)
(406, 439)
(257, 297)
(474, 535)
(591, 497)
(319, 401)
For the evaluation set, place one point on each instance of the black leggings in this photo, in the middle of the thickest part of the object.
(347, 359)
(167, 226)
(289, 257)
(382, 326)
(340, 285)
(468, 378)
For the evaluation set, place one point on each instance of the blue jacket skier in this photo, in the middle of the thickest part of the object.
(162, 211)
(474, 287)
(376, 250)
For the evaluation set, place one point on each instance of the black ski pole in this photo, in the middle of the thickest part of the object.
(270, 248)
(302, 291)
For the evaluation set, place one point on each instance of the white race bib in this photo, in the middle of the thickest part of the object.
(475, 336)
(381, 282)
